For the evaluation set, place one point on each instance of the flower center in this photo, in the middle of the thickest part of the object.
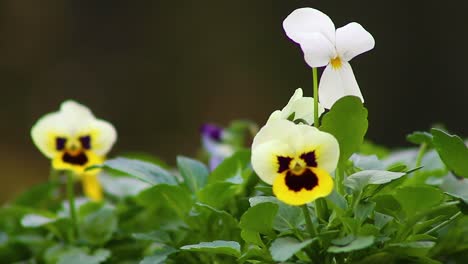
(336, 63)
(74, 150)
(298, 173)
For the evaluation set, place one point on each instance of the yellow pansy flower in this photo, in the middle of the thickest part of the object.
(296, 159)
(74, 139)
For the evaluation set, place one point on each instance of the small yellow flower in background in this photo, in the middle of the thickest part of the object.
(74, 140)
(299, 107)
(296, 159)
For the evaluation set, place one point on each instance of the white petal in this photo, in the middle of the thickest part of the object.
(103, 136)
(304, 109)
(352, 40)
(325, 145)
(279, 130)
(44, 131)
(318, 50)
(337, 83)
(304, 21)
(265, 159)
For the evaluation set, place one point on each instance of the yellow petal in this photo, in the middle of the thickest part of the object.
(285, 193)
(91, 186)
(59, 163)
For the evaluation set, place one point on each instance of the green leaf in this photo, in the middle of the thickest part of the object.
(416, 248)
(287, 218)
(144, 171)
(97, 227)
(155, 236)
(170, 196)
(231, 248)
(38, 196)
(251, 237)
(357, 244)
(452, 151)
(347, 121)
(414, 199)
(420, 138)
(284, 248)
(359, 180)
(231, 168)
(456, 187)
(259, 218)
(218, 194)
(80, 256)
(159, 256)
(34, 220)
(122, 187)
(195, 173)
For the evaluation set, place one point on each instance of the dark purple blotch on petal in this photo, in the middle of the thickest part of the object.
(283, 163)
(309, 159)
(85, 142)
(307, 180)
(60, 143)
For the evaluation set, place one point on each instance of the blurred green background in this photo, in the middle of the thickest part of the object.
(159, 69)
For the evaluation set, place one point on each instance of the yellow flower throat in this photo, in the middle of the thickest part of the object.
(336, 63)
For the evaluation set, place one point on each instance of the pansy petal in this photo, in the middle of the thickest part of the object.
(91, 186)
(281, 130)
(324, 145)
(304, 109)
(318, 50)
(307, 20)
(352, 40)
(103, 136)
(336, 83)
(44, 134)
(266, 159)
(303, 196)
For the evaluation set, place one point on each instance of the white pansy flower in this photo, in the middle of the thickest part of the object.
(324, 46)
(298, 107)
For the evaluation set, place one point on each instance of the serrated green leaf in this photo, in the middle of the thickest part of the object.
(259, 218)
(287, 218)
(195, 173)
(231, 248)
(159, 256)
(231, 167)
(144, 171)
(218, 194)
(80, 256)
(347, 121)
(357, 244)
(414, 199)
(284, 248)
(452, 151)
(169, 196)
(359, 180)
(97, 227)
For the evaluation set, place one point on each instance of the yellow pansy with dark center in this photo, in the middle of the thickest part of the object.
(75, 140)
(296, 159)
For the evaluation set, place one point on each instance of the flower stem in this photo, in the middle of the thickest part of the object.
(71, 202)
(422, 151)
(315, 85)
(339, 179)
(310, 227)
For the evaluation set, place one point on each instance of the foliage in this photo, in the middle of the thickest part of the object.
(403, 206)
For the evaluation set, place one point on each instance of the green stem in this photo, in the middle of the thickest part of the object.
(71, 202)
(315, 85)
(339, 179)
(422, 151)
(446, 222)
(310, 227)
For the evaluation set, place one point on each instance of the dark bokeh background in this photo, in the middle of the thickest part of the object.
(159, 69)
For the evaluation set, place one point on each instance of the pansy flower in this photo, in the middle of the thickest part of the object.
(299, 108)
(324, 46)
(296, 159)
(74, 139)
(213, 138)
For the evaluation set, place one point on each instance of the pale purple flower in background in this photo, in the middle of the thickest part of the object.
(213, 137)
